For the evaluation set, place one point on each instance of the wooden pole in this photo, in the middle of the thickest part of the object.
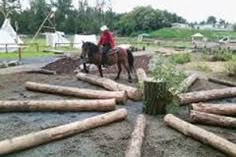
(212, 119)
(120, 96)
(58, 105)
(199, 96)
(33, 139)
(223, 82)
(43, 71)
(133, 93)
(135, 145)
(141, 74)
(220, 109)
(202, 135)
(188, 82)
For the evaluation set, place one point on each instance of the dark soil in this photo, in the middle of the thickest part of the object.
(69, 65)
(106, 141)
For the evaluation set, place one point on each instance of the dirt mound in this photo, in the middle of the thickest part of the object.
(68, 65)
(64, 66)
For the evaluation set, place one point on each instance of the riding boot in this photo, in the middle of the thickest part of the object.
(104, 60)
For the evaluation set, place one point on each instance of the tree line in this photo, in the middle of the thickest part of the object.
(84, 19)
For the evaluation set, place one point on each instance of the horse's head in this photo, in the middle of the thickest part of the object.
(88, 49)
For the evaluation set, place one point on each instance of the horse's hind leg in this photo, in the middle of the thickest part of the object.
(100, 70)
(119, 71)
(128, 71)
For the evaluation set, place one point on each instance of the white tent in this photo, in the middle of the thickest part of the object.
(56, 39)
(79, 39)
(7, 43)
(9, 29)
(8, 38)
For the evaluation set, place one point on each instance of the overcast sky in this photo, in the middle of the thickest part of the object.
(192, 10)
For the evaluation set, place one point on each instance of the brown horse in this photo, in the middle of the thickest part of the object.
(92, 54)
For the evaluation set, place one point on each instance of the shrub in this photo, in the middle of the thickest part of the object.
(203, 67)
(163, 69)
(230, 67)
(180, 58)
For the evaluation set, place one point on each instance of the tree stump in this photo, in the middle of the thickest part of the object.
(156, 97)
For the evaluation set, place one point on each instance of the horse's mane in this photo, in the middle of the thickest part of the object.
(93, 48)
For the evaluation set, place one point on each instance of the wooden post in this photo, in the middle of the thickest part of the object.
(19, 53)
(36, 138)
(223, 82)
(202, 135)
(220, 109)
(212, 119)
(156, 97)
(135, 145)
(199, 96)
(141, 74)
(188, 82)
(133, 93)
(58, 105)
(120, 96)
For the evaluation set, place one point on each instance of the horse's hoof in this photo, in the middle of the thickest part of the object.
(130, 81)
(117, 78)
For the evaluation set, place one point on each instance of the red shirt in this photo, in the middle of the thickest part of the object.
(106, 38)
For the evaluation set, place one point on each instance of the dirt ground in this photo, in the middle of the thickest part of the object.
(106, 141)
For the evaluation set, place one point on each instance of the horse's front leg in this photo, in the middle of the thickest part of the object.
(100, 70)
(85, 68)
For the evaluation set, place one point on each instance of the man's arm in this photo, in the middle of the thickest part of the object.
(112, 41)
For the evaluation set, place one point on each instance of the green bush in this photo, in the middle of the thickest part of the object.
(163, 69)
(181, 58)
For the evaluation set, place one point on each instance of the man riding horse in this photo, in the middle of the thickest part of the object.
(107, 42)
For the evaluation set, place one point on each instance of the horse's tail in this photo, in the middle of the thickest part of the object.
(130, 60)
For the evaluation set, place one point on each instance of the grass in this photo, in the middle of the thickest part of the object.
(180, 58)
(185, 34)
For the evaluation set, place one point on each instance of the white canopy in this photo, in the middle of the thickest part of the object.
(197, 35)
(56, 39)
(79, 39)
(9, 29)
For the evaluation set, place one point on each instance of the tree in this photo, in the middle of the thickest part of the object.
(211, 20)
(8, 6)
(222, 22)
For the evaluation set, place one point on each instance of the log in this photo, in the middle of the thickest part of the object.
(156, 97)
(135, 145)
(141, 74)
(202, 135)
(199, 96)
(220, 109)
(43, 71)
(223, 82)
(58, 105)
(212, 119)
(120, 96)
(132, 92)
(188, 82)
(44, 136)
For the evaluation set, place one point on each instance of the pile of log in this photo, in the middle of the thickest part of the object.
(120, 96)
(188, 82)
(201, 135)
(132, 92)
(141, 75)
(58, 105)
(222, 82)
(200, 96)
(135, 145)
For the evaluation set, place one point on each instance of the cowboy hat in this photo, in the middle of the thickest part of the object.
(104, 28)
